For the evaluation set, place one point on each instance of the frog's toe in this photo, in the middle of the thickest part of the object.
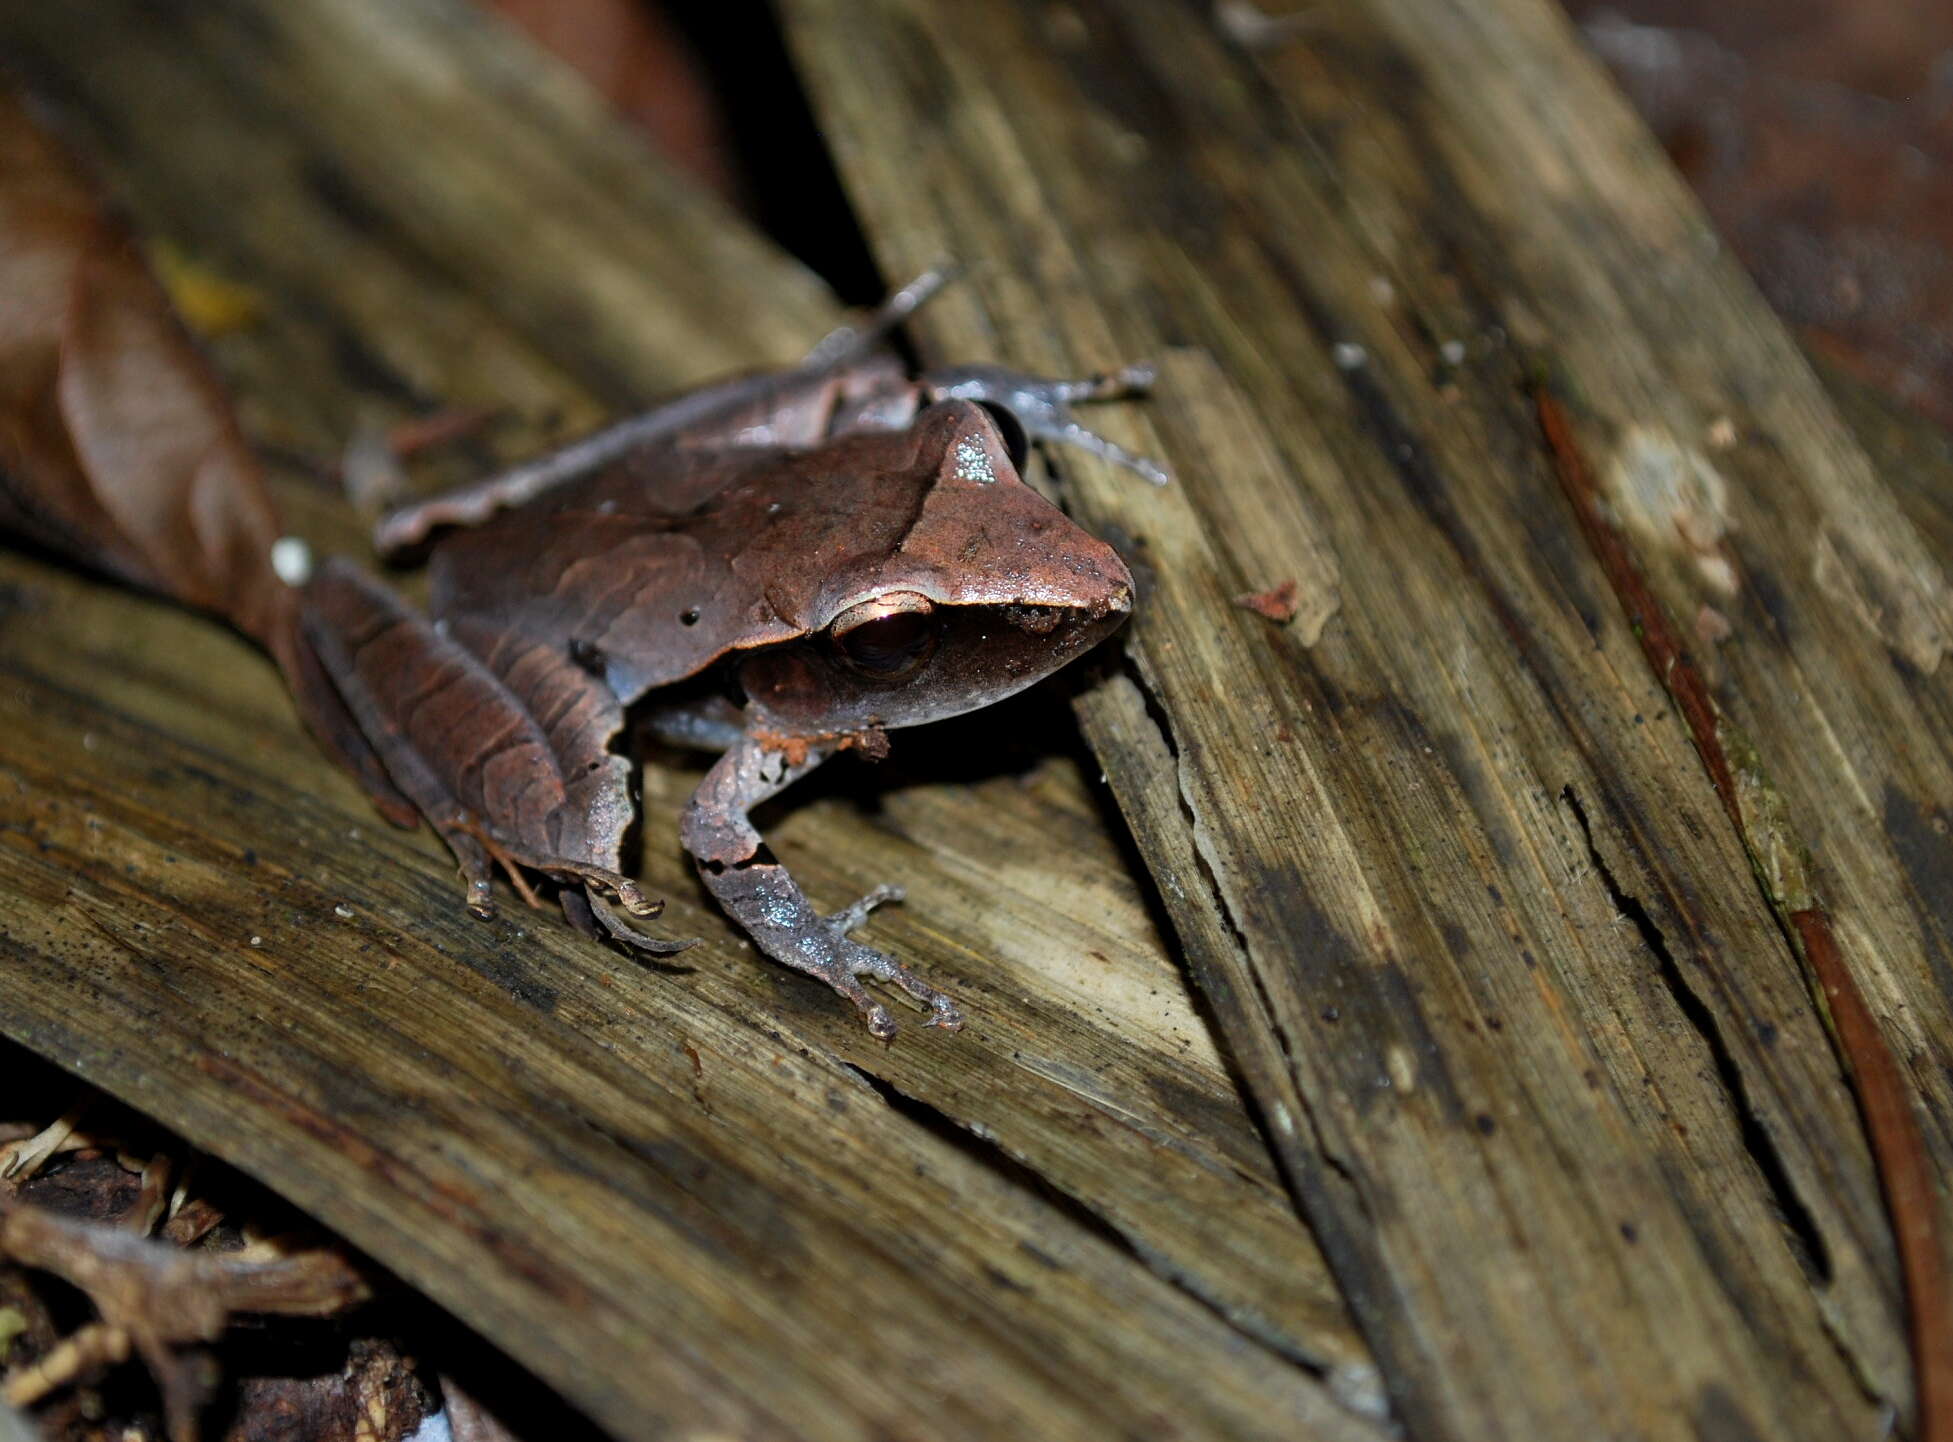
(840, 971)
(850, 917)
(620, 929)
(865, 961)
(943, 1013)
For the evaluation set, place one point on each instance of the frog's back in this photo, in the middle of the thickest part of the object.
(648, 572)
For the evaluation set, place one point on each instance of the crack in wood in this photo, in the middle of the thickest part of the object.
(1781, 865)
(1309, 1167)
(1807, 1242)
(974, 1143)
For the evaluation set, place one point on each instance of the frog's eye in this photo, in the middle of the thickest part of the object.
(887, 637)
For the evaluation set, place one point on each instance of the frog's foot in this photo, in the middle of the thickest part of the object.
(758, 893)
(619, 928)
(788, 929)
(477, 870)
(478, 847)
(846, 961)
(1043, 406)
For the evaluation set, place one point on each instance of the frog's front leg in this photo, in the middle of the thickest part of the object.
(759, 894)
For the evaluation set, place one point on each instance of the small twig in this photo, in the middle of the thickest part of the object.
(372, 467)
(152, 1202)
(161, 1303)
(408, 438)
(88, 1349)
(180, 1193)
(20, 1160)
(191, 1222)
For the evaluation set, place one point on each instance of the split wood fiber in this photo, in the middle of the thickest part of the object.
(1507, 982)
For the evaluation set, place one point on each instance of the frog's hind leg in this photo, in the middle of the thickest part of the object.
(1042, 406)
(598, 881)
(850, 344)
(699, 411)
(783, 407)
(503, 747)
(619, 929)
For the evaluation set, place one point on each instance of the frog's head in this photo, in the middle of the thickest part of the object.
(989, 589)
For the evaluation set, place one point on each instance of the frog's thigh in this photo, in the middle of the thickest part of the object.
(578, 806)
(506, 749)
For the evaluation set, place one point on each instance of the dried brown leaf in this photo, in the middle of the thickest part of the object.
(118, 448)
(116, 445)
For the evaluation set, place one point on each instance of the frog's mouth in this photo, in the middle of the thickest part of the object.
(916, 666)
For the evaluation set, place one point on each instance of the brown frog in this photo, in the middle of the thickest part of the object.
(777, 568)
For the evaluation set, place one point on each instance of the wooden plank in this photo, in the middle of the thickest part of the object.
(691, 1201)
(1837, 608)
(1539, 1057)
(1910, 455)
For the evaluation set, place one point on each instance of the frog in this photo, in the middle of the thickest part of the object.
(779, 568)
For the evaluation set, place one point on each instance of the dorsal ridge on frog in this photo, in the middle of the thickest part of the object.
(880, 563)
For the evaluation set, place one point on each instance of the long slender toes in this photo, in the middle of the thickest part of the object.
(946, 1015)
(1043, 406)
(866, 961)
(850, 917)
(622, 930)
(1129, 380)
(1094, 444)
(942, 1011)
(476, 875)
(759, 893)
(881, 1025)
(851, 340)
(594, 879)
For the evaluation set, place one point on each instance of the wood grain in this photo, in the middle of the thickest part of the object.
(1515, 999)
(1537, 1053)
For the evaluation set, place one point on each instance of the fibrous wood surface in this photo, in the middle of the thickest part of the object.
(1520, 993)
(1513, 987)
